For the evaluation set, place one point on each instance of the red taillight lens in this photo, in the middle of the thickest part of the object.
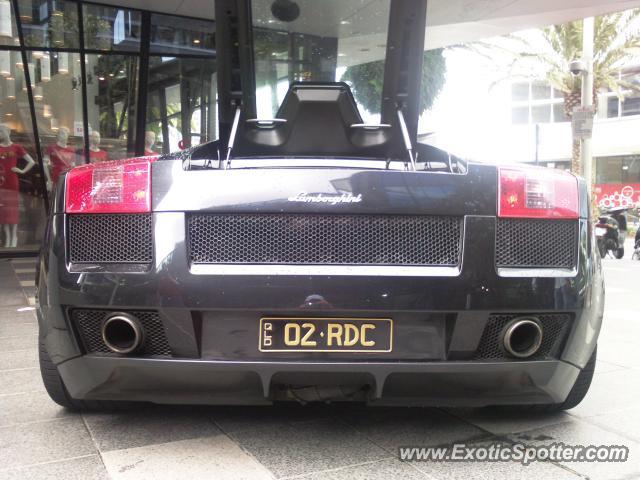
(537, 193)
(122, 186)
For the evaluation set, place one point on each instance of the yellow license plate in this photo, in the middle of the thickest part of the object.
(373, 335)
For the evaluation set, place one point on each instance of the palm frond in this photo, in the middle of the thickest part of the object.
(616, 42)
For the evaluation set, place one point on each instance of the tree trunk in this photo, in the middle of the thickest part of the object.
(576, 163)
(571, 101)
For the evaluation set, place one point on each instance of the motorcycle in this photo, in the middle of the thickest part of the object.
(636, 251)
(610, 237)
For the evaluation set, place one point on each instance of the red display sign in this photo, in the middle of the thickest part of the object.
(614, 195)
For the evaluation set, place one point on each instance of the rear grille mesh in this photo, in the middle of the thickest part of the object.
(536, 243)
(325, 239)
(89, 324)
(554, 331)
(110, 238)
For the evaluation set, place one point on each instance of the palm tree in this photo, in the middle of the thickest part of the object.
(366, 81)
(616, 42)
(547, 55)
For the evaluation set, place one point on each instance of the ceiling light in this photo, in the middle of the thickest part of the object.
(196, 41)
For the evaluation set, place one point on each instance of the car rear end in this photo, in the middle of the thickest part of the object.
(329, 282)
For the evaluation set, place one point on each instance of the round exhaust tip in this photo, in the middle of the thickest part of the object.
(122, 333)
(523, 337)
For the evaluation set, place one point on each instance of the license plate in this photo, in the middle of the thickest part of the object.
(373, 335)
(600, 232)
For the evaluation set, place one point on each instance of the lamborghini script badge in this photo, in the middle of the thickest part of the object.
(323, 198)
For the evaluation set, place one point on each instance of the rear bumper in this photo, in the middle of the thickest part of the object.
(219, 382)
(211, 318)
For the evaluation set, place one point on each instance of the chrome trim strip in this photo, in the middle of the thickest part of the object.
(334, 270)
(266, 120)
(536, 272)
(371, 126)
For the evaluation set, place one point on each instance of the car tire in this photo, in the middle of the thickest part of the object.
(58, 392)
(577, 392)
(619, 253)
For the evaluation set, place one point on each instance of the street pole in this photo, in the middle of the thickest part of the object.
(537, 143)
(587, 96)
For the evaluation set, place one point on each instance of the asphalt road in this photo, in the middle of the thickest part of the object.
(40, 440)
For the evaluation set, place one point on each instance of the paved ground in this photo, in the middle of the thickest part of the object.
(40, 440)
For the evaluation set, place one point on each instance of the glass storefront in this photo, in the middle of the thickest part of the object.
(58, 110)
(287, 49)
(618, 169)
(181, 105)
(112, 86)
(22, 189)
(85, 64)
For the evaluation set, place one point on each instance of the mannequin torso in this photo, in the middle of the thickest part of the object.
(10, 153)
(149, 142)
(61, 158)
(97, 156)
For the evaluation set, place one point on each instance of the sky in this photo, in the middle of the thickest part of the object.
(470, 110)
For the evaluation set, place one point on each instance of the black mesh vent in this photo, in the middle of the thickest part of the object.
(554, 331)
(89, 323)
(536, 243)
(110, 238)
(325, 239)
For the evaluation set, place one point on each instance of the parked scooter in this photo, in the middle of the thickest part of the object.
(611, 231)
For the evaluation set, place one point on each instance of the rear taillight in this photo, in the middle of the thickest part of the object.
(537, 193)
(122, 186)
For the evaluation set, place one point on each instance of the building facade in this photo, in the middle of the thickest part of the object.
(505, 120)
(83, 82)
(539, 120)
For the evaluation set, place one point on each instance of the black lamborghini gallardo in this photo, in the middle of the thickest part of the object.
(317, 256)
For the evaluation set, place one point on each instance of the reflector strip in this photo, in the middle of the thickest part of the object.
(537, 193)
(122, 186)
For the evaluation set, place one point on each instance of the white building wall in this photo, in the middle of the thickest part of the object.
(516, 143)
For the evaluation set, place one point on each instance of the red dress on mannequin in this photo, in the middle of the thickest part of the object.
(99, 156)
(94, 157)
(9, 183)
(62, 159)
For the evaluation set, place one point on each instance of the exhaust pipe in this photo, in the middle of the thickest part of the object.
(122, 333)
(522, 337)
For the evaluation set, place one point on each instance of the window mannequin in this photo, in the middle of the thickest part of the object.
(95, 154)
(10, 154)
(149, 142)
(58, 157)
